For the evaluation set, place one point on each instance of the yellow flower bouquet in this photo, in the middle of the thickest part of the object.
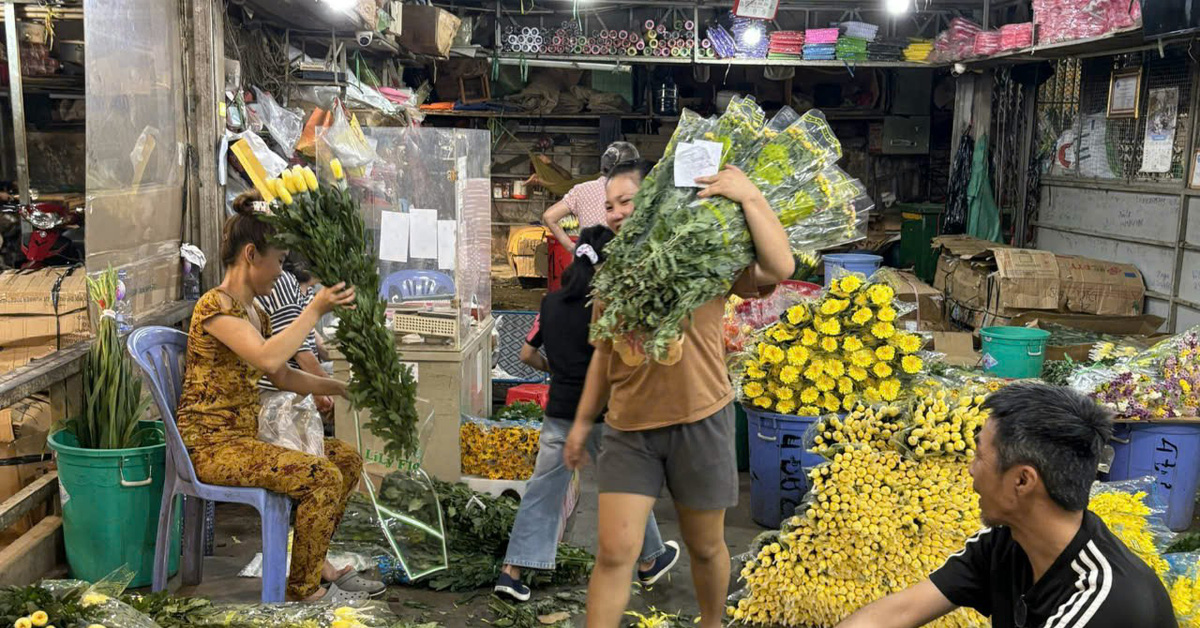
(827, 355)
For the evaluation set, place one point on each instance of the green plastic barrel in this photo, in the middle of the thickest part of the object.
(743, 445)
(110, 502)
(1015, 352)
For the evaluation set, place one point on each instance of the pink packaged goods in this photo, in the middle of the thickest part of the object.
(1013, 36)
(1067, 20)
(987, 43)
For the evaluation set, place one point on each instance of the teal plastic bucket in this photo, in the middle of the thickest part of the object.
(838, 264)
(1014, 352)
(110, 501)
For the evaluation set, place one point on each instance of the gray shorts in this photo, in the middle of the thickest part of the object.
(696, 461)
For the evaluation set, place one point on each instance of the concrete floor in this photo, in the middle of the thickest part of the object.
(237, 541)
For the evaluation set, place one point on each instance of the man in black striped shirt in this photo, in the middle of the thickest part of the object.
(1044, 560)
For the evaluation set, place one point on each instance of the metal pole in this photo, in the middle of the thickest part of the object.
(16, 92)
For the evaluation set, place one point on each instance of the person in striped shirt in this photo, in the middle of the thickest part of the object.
(1043, 560)
(287, 300)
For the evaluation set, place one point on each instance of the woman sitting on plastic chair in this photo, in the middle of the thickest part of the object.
(230, 346)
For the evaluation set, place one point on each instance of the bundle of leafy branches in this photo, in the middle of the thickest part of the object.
(324, 224)
(476, 525)
(678, 252)
(18, 602)
(520, 411)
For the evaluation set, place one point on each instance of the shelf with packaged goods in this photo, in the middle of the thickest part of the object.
(1116, 42)
(521, 115)
(810, 63)
(613, 59)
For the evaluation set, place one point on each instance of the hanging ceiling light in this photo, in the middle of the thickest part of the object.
(345, 6)
(896, 7)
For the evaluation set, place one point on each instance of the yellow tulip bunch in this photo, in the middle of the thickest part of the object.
(292, 182)
(877, 519)
(829, 355)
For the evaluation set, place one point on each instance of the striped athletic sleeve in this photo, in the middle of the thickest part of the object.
(284, 305)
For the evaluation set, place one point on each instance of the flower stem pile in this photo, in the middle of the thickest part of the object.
(324, 224)
(829, 355)
(878, 518)
(678, 252)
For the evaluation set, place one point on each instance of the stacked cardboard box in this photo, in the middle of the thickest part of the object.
(41, 311)
(986, 283)
(929, 313)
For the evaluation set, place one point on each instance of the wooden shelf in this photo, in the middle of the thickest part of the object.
(517, 115)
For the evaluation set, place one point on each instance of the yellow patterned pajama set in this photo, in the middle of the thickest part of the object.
(218, 420)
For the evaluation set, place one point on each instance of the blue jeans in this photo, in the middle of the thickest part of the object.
(533, 542)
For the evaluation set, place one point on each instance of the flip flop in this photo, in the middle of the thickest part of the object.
(354, 582)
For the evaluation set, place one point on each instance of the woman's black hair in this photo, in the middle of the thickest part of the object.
(577, 278)
(638, 167)
(298, 267)
(244, 227)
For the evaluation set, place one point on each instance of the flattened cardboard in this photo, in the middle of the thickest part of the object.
(1138, 330)
(34, 292)
(1099, 287)
(958, 347)
(966, 247)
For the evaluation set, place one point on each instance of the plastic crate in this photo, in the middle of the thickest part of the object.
(537, 393)
(443, 327)
(513, 326)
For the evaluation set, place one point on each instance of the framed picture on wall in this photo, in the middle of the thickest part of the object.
(1194, 180)
(1125, 93)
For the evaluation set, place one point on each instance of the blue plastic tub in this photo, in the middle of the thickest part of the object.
(1169, 452)
(838, 264)
(779, 464)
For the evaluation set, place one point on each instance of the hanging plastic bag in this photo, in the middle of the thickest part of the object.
(289, 420)
(317, 121)
(346, 142)
(284, 125)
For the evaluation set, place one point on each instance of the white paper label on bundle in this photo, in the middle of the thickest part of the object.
(696, 159)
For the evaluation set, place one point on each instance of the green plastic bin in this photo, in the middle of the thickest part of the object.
(917, 231)
(110, 502)
(1015, 352)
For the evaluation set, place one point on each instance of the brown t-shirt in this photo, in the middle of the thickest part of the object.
(653, 395)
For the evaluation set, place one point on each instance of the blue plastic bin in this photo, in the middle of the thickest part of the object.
(837, 264)
(1169, 452)
(779, 464)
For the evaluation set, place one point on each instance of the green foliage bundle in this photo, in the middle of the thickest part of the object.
(324, 224)
(676, 251)
(112, 392)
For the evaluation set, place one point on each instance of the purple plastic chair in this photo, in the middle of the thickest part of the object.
(160, 352)
(415, 284)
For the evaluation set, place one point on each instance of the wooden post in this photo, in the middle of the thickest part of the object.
(204, 61)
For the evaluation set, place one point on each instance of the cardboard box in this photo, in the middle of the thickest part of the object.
(38, 330)
(986, 283)
(958, 347)
(930, 312)
(23, 430)
(46, 291)
(428, 30)
(1136, 330)
(1099, 287)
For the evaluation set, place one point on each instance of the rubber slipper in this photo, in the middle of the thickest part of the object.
(353, 582)
(338, 597)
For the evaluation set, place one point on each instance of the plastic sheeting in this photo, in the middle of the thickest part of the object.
(135, 145)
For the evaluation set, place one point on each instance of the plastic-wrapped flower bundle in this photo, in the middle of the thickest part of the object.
(1126, 507)
(827, 355)
(678, 252)
(1160, 382)
(878, 518)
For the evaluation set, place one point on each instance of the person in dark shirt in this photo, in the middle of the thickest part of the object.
(1043, 560)
(562, 330)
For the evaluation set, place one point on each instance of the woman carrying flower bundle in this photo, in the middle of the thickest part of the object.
(562, 330)
(230, 346)
(673, 425)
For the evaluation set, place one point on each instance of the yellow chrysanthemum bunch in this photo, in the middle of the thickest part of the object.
(877, 519)
(843, 346)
